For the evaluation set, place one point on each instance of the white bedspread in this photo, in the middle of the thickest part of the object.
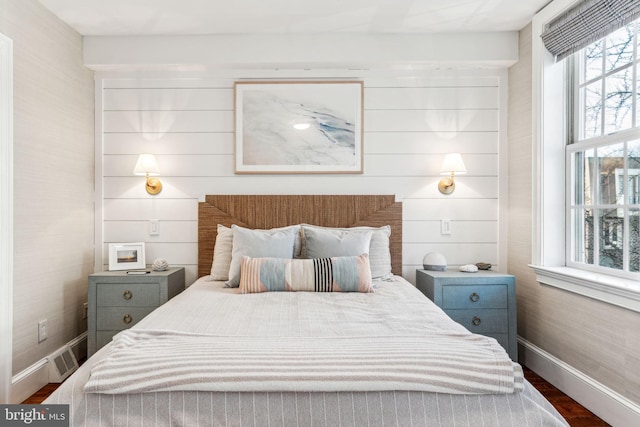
(403, 345)
(206, 308)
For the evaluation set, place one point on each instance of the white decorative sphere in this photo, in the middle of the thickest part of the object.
(434, 261)
(160, 264)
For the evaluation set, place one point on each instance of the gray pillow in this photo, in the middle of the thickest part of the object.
(321, 243)
(379, 253)
(273, 243)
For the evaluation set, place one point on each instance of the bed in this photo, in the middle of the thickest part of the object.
(309, 358)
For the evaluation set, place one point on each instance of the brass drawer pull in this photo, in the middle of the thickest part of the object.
(476, 321)
(474, 297)
(127, 319)
(127, 295)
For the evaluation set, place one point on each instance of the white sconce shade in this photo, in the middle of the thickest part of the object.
(148, 166)
(451, 165)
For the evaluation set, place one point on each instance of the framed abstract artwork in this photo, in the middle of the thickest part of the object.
(298, 127)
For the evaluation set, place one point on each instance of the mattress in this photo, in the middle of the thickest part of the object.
(396, 308)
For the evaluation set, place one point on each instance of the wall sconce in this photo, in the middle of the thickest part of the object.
(452, 164)
(148, 166)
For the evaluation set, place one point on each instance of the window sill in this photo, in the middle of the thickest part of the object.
(610, 289)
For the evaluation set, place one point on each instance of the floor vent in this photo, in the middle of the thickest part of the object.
(62, 364)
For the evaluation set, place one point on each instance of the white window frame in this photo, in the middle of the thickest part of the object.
(550, 128)
(621, 138)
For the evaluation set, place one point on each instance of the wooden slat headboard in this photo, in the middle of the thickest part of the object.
(269, 211)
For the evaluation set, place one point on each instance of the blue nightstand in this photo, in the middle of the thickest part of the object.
(483, 302)
(118, 301)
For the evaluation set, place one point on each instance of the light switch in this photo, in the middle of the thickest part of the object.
(154, 227)
(445, 226)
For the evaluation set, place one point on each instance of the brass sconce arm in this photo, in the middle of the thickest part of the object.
(451, 165)
(447, 185)
(153, 185)
(148, 166)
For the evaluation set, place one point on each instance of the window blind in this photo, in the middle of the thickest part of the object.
(587, 22)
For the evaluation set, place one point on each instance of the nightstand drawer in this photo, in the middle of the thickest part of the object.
(128, 295)
(474, 296)
(119, 318)
(482, 321)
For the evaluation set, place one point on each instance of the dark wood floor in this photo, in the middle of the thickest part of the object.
(41, 394)
(575, 414)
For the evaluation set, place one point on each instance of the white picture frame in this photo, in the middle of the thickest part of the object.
(301, 127)
(126, 256)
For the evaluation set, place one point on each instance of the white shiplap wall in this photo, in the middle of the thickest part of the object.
(409, 124)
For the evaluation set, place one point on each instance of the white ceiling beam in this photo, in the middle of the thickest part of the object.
(303, 51)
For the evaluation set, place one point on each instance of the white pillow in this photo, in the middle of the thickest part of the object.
(273, 243)
(379, 253)
(322, 243)
(222, 254)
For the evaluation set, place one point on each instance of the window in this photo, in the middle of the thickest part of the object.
(586, 164)
(604, 156)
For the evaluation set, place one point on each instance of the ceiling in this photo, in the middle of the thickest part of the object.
(182, 17)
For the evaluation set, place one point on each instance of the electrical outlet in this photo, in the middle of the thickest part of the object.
(85, 310)
(42, 330)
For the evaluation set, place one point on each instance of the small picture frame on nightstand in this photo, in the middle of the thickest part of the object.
(126, 256)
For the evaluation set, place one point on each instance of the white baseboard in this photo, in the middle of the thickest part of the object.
(607, 404)
(28, 381)
(36, 376)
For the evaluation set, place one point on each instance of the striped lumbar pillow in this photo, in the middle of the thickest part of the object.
(336, 274)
